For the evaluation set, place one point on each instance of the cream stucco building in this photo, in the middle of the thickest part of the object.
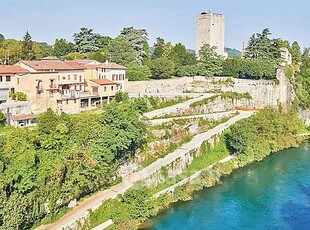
(69, 86)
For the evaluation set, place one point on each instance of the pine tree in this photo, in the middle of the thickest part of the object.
(296, 53)
(27, 50)
(158, 48)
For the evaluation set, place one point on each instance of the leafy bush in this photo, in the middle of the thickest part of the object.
(137, 72)
(19, 96)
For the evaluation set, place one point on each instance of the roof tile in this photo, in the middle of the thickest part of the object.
(12, 69)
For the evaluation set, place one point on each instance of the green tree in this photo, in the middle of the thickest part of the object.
(302, 85)
(136, 72)
(257, 69)
(139, 208)
(86, 41)
(182, 54)
(137, 39)
(306, 53)
(104, 41)
(62, 48)
(158, 48)
(41, 49)
(2, 119)
(120, 51)
(162, 68)
(75, 55)
(296, 53)
(2, 38)
(121, 97)
(98, 56)
(11, 51)
(27, 50)
(210, 63)
(147, 51)
(232, 67)
(260, 46)
(169, 52)
(124, 134)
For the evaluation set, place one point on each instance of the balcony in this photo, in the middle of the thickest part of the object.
(71, 94)
(39, 89)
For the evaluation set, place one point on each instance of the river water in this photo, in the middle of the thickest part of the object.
(271, 194)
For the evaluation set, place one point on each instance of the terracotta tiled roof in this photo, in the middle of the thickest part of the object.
(84, 61)
(106, 65)
(51, 65)
(104, 82)
(11, 69)
(24, 117)
(75, 64)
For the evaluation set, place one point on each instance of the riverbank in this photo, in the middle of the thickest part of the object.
(268, 132)
(275, 191)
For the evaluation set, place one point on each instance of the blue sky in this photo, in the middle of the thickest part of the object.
(174, 20)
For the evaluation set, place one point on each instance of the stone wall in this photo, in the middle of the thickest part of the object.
(305, 116)
(264, 92)
(176, 167)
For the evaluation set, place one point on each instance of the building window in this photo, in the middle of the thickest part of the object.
(105, 77)
(112, 88)
(116, 76)
(75, 101)
(80, 87)
(80, 78)
(99, 76)
(0, 78)
(12, 90)
(63, 78)
(75, 77)
(51, 83)
(105, 89)
(68, 77)
(113, 77)
(95, 90)
(17, 81)
(67, 102)
(8, 78)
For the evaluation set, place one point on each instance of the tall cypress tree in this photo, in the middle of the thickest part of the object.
(296, 53)
(27, 50)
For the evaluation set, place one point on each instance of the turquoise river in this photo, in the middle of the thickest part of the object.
(271, 194)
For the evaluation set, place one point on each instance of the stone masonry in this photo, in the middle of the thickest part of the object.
(210, 29)
(264, 92)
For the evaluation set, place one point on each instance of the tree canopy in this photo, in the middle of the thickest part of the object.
(86, 41)
(260, 46)
(296, 53)
(120, 51)
(27, 49)
(62, 48)
(210, 63)
(137, 38)
(65, 157)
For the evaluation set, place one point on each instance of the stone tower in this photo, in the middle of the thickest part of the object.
(210, 29)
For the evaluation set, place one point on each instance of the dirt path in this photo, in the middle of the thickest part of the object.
(174, 108)
(93, 202)
(218, 115)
